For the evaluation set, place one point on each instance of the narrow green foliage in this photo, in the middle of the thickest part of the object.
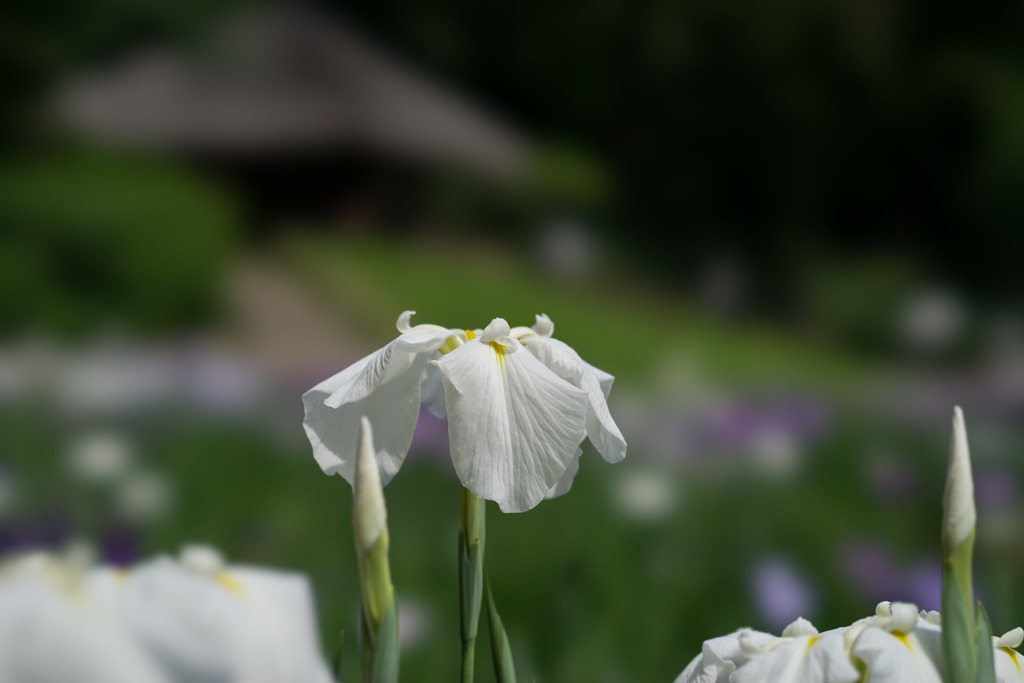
(501, 652)
(366, 647)
(986, 665)
(336, 661)
(384, 665)
(958, 637)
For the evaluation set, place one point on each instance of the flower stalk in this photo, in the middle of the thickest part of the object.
(471, 576)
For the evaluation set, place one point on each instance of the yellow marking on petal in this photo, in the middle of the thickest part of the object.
(121, 574)
(811, 641)
(470, 334)
(499, 351)
(902, 637)
(229, 584)
(1013, 658)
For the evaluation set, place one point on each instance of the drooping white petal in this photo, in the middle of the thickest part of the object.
(514, 425)
(567, 364)
(363, 377)
(720, 656)
(803, 658)
(392, 407)
(563, 485)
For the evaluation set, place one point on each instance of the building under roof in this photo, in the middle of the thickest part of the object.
(287, 79)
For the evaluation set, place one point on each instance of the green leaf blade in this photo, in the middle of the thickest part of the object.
(501, 651)
(986, 664)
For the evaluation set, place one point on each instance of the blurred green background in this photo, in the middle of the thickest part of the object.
(791, 231)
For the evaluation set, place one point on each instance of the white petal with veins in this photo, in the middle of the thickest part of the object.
(513, 424)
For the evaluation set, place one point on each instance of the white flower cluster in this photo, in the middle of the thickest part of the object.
(897, 645)
(186, 620)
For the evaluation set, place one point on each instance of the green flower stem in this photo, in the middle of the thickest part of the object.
(471, 580)
(960, 559)
(375, 577)
(379, 647)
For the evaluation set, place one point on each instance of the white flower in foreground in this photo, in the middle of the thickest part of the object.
(720, 656)
(1009, 663)
(165, 621)
(202, 620)
(801, 655)
(897, 645)
(518, 403)
(53, 630)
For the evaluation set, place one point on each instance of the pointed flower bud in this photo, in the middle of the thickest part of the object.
(369, 515)
(369, 519)
(958, 512)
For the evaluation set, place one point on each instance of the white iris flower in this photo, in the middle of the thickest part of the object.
(518, 403)
(896, 645)
(1009, 663)
(801, 655)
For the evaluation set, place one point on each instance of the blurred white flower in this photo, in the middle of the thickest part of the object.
(515, 418)
(191, 620)
(144, 496)
(931, 320)
(646, 496)
(203, 620)
(415, 623)
(53, 629)
(775, 452)
(99, 458)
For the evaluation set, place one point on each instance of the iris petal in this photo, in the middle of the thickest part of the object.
(513, 424)
(392, 408)
(567, 364)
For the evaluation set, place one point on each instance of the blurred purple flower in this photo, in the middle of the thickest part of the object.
(995, 489)
(780, 593)
(45, 532)
(870, 569)
(923, 584)
(120, 546)
(891, 479)
(431, 435)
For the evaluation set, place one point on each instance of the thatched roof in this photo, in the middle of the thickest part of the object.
(280, 79)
